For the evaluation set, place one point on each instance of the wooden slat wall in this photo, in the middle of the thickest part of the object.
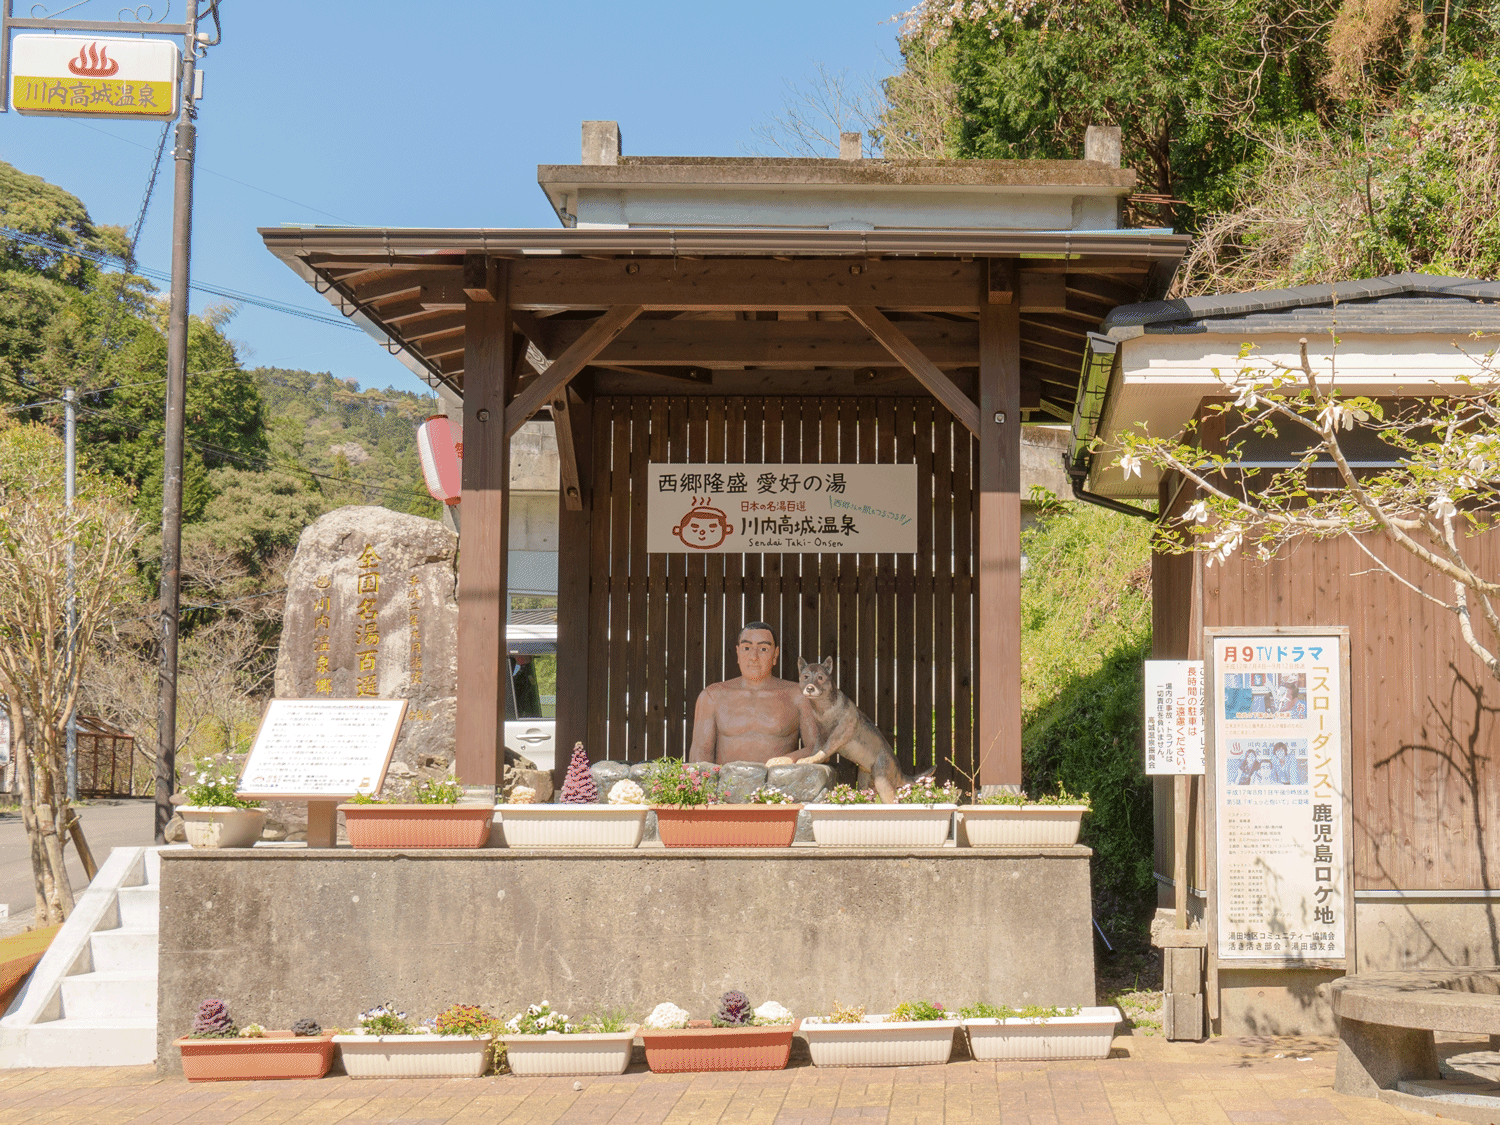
(899, 626)
(1424, 711)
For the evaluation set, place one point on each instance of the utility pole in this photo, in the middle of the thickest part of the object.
(171, 490)
(70, 437)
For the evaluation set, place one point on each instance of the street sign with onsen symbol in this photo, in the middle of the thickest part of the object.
(85, 76)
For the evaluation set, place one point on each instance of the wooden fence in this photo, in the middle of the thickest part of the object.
(900, 627)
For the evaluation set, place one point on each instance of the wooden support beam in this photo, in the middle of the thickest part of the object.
(1000, 281)
(535, 329)
(434, 324)
(1047, 406)
(570, 481)
(938, 384)
(999, 565)
(568, 364)
(484, 541)
(790, 344)
(481, 278)
(574, 543)
(736, 284)
(1104, 289)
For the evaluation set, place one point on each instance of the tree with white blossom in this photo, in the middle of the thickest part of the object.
(1435, 497)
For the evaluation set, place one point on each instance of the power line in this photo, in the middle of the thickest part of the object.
(231, 179)
(129, 266)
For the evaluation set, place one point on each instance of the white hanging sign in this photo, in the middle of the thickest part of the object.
(781, 509)
(90, 76)
(1174, 716)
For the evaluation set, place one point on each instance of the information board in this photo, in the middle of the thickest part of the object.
(1174, 716)
(322, 749)
(781, 509)
(1279, 780)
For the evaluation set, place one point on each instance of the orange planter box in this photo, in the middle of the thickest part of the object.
(727, 826)
(418, 826)
(718, 1048)
(279, 1055)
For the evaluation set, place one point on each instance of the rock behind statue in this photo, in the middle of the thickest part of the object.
(372, 613)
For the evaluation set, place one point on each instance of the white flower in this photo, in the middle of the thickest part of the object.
(1442, 506)
(1130, 464)
(1197, 512)
(772, 1012)
(664, 1016)
(1334, 415)
(1248, 399)
(626, 792)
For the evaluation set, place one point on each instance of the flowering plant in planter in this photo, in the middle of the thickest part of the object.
(540, 1041)
(1013, 820)
(926, 791)
(216, 1050)
(427, 815)
(579, 787)
(454, 1044)
(767, 795)
(848, 795)
(996, 1031)
(214, 815)
(738, 1037)
(914, 1033)
(691, 810)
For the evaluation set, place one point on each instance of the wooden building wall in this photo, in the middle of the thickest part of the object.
(1425, 713)
(661, 626)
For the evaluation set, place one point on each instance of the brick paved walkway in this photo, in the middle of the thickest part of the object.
(1146, 1080)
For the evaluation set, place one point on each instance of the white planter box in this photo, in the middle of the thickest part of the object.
(1085, 1036)
(218, 826)
(565, 1055)
(572, 826)
(415, 1056)
(878, 1043)
(881, 826)
(1021, 826)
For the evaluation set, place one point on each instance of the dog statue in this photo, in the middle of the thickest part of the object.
(843, 729)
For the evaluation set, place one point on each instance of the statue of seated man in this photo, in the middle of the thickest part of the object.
(755, 717)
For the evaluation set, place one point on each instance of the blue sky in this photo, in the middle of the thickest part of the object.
(420, 114)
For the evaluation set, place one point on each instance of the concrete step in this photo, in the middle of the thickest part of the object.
(124, 948)
(153, 866)
(109, 995)
(80, 1042)
(140, 907)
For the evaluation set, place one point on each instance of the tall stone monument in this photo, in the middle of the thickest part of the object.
(372, 612)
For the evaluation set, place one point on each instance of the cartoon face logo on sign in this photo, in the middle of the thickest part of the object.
(703, 528)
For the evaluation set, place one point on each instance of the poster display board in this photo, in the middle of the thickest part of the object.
(781, 509)
(1279, 769)
(322, 749)
(1174, 716)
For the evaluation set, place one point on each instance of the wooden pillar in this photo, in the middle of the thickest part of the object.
(573, 547)
(484, 537)
(999, 565)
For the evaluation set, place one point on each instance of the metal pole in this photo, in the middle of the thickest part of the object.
(171, 490)
(70, 437)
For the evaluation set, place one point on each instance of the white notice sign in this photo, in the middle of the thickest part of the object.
(317, 749)
(781, 509)
(1280, 803)
(1174, 716)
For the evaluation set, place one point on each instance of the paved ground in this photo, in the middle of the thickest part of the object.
(106, 824)
(1145, 1081)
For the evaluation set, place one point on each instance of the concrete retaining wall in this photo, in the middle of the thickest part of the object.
(283, 933)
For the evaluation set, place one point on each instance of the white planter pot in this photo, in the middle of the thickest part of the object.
(572, 826)
(881, 826)
(1085, 1036)
(564, 1055)
(1021, 826)
(217, 826)
(878, 1043)
(415, 1056)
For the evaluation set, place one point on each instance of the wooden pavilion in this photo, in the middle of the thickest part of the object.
(796, 311)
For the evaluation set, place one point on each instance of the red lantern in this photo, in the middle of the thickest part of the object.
(440, 446)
